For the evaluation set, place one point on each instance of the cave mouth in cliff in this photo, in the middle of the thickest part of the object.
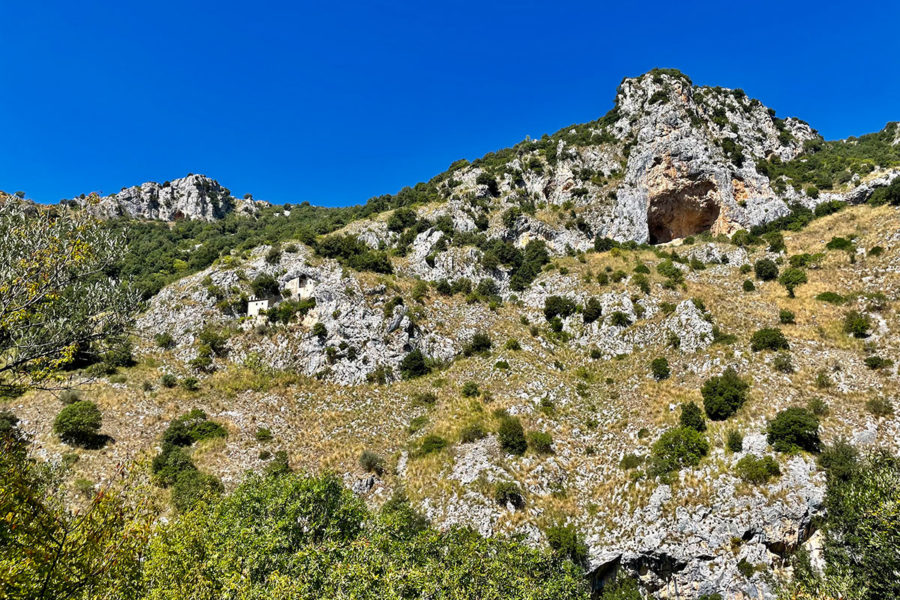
(679, 213)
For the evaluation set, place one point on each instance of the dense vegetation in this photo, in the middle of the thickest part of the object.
(278, 535)
(824, 165)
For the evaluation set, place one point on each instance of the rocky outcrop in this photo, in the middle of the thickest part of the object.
(350, 333)
(691, 166)
(195, 197)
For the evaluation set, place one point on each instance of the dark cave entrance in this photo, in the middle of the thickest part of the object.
(679, 213)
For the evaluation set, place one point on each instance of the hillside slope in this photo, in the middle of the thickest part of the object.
(588, 385)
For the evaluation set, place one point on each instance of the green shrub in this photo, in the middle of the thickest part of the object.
(746, 568)
(69, 396)
(558, 306)
(263, 435)
(817, 406)
(566, 542)
(593, 310)
(678, 448)
(78, 423)
(660, 368)
(279, 465)
(630, 461)
(880, 407)
(839, 460)
(190, 384)
(623, 588)
(401, 219)
(371, 462)
(191, 486)
(432, 443)
(786, 317)
(511, 435)
(782, 363)
(169, 463)
(513, 345)
(668, 270)
(424, 399)
(414, 365)
(692, 417)
(164, 340)
(264, 286)
(734, 440)
(831, 298)
(757, 470)
(192, 427)
(877, 362)
(619, 319)
(416, 424)
(724, 395)
(768, 338)
(748, 286)
(540, 442)
(861, 534)
(479, 344)
(469, 389)
(507, 492)
(765, 269)
(857, 324)
(794, 429)
(168, 380)
(839, 243)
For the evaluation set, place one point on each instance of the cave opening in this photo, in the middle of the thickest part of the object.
(689, 210)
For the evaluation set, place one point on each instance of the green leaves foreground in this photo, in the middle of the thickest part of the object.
(296, 536)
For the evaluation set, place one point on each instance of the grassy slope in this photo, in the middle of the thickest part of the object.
(324, 426)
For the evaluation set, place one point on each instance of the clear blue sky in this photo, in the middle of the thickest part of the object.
(336, 102)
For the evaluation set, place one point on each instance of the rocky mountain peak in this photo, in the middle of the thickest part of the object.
(194, 197)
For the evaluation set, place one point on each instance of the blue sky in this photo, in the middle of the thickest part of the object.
(334, 103)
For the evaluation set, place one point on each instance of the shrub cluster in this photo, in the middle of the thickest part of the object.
(724, 395)
(794, 429)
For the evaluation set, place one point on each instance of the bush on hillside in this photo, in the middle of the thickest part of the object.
(794, 429)
(724, 395)
(765, 269)
(78, 423)
(692, 417)
(769, 338)
(757, 470)
(414, 365)
(678, 448)
(660, 368)
(511, 435)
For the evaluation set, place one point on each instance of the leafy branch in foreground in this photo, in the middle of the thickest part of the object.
(59, 298)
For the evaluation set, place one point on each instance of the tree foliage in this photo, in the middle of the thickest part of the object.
(60, 298)
(724, 395)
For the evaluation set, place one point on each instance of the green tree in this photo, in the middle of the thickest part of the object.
(791, 278)
(691, 416)
(511, 435)
(414, 365)
(49, 552)
(78, 423)
(793, 429)
(765, 269)
(724, 395)
(678, 448)
(768, 338)
(59, 299)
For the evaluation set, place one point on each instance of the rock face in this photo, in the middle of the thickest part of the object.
(194, 197)
(350, 333)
